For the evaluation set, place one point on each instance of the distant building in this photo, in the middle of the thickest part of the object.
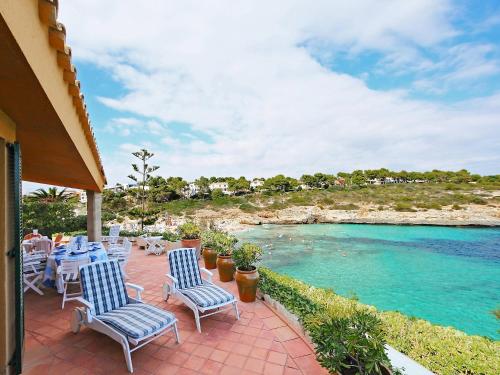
(224, 186)
(256, 182)
(340, 181)
(191, 190)
(304, 186)
(83, 196)
(134, 186)
(115, 189)
(80, 194)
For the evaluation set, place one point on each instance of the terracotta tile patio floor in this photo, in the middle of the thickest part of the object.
(259, 343)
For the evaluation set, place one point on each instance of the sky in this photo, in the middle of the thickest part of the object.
(257, 88)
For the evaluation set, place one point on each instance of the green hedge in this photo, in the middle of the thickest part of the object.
(443, 350)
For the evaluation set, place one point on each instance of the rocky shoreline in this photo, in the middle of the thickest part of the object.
(234, 219)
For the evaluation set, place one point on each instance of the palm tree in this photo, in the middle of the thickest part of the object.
(51, 195)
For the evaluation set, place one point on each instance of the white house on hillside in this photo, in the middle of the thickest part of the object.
(224, 186)
(191, 190)
(256, 182)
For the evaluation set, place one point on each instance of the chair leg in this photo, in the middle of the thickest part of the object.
(197, 320)
(128, 358)
(176, 331)
(236, 312)
(31, 285)
(64, 295)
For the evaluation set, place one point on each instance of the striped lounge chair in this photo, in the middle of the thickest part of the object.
(109, 309)
(186, 284)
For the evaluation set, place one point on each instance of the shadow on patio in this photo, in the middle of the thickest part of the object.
(259, 343)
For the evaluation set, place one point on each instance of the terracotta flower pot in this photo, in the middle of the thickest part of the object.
(247, 284)
(210, 258)
(193, 243)
(225, 266)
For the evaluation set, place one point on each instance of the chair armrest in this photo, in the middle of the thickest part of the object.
(207, 273)
(138, 289)
(172, 278)
(174, 281)
(84, 302)
(89, 306)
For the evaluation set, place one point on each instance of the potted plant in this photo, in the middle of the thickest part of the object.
(190, 234)
(245, 257)
(225, 264)
(209, 245)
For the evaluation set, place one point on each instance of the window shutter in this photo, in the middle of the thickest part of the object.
(15, 200)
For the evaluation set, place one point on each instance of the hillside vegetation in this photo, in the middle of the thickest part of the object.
(394, 197)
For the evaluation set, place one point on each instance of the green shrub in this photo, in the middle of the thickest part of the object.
(345, 206)
(217, 194)
(189, 231)
(246, 256)
(444, 350)
(222, 243)
(404, 207)
(478, 200)
(355, 343)
(429, 205)
(247, 207)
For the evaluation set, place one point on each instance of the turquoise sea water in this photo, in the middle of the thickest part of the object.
(449, 276)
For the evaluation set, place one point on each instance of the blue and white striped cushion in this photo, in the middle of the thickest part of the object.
(207, 295)
(137, 320)
(103, 286)
(184, 267)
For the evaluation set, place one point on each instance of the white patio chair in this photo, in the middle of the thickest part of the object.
(201, 296)
(68, 272)
(156, 247)
(33, 268)
(114, 234)
(122, 254)
(109, 309)
(141, 242)
(42, 244)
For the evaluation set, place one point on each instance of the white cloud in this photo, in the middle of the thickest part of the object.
(237, 72)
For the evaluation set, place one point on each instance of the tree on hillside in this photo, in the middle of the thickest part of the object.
(358, 177)
(280, 183)
(239, 185)
(346, 177)
(143, 173)
(309, 180)
(203, 184)
(52, 194)
(176, 184)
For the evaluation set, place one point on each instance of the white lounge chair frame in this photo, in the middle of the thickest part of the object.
(169, 289)
(83, 316)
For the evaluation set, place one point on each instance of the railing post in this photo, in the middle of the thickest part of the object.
(94, 223)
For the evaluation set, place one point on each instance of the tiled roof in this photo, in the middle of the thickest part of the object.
(47, 11)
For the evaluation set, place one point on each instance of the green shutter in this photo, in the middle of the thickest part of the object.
(17, 253)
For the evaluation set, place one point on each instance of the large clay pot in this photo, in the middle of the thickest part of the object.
(193, 243)
(247, 284)
(225, 266)
(210, 258)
